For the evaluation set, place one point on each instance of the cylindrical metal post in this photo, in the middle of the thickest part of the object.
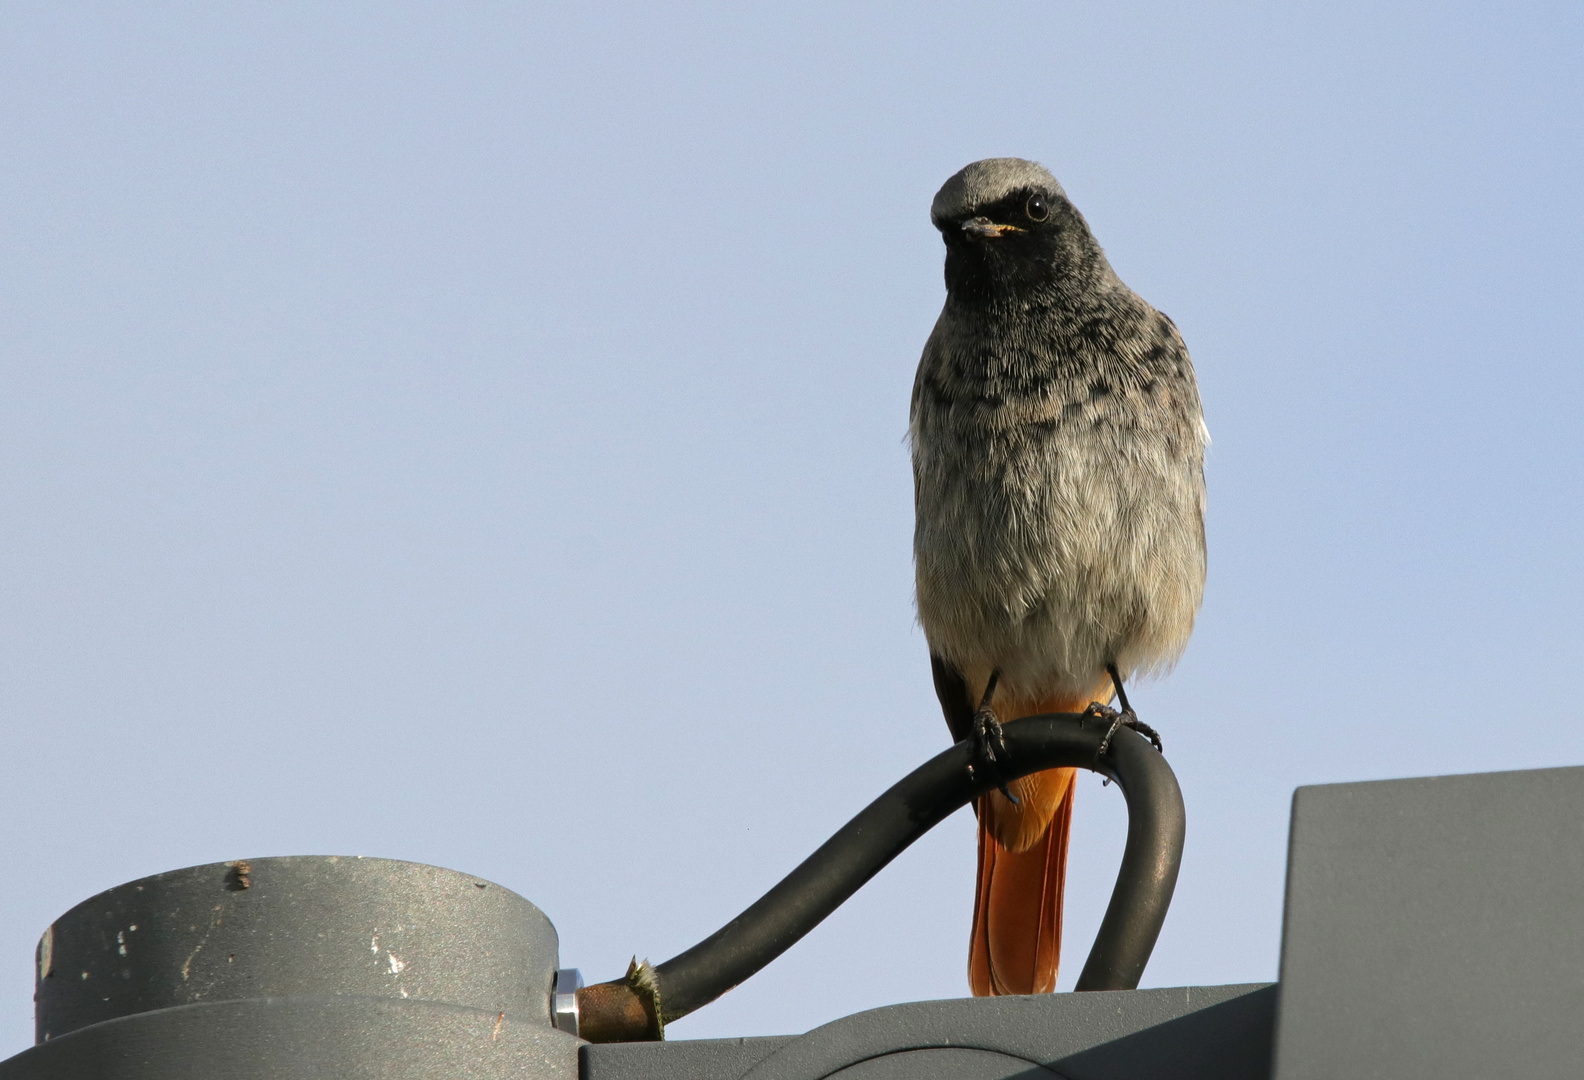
(270, 969)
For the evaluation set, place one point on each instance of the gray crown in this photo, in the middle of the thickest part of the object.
(985, 182)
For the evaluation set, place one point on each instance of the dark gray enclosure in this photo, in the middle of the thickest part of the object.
(1188, 1033)
(1435, 928)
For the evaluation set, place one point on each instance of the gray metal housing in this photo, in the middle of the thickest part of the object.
(1434, 928)
(1189, 1033)
(294, 967)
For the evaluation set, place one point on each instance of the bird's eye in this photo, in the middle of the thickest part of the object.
(1036, 208)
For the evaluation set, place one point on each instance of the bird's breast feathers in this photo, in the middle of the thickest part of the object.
(1060, 501)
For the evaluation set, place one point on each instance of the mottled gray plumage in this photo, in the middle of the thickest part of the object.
(1058, 451)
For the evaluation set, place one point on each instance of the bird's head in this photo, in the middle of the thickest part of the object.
(1009, 229)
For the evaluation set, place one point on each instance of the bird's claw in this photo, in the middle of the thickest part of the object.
(989, 741)
(1121, 719)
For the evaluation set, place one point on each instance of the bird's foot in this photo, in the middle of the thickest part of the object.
(1121, 719)
(989, 749)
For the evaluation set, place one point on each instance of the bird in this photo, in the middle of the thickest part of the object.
(1058, 447)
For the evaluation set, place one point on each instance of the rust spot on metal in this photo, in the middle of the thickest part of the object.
(626, 1010)
(240, 876)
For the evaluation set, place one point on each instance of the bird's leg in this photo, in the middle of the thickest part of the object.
(1126, 717)
(988, 739)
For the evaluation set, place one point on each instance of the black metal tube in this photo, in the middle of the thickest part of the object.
(921, 800)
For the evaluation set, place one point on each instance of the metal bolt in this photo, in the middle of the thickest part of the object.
(563, 1000)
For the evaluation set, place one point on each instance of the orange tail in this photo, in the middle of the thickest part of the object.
(1017, 925)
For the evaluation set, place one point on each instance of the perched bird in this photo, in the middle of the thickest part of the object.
(1058, 465)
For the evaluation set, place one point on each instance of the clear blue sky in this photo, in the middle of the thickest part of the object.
(474, 434)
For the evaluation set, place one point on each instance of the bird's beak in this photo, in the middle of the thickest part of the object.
(983, 226)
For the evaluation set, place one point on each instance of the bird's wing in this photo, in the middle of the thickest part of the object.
(952, 689)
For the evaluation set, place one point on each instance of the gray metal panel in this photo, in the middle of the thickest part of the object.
(300, 925)
(1190, 1033)
(945, 1063)
(348, 1038)
(1435, 928)
(686, 1059)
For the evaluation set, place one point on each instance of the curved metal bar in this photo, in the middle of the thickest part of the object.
(636, 1008)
